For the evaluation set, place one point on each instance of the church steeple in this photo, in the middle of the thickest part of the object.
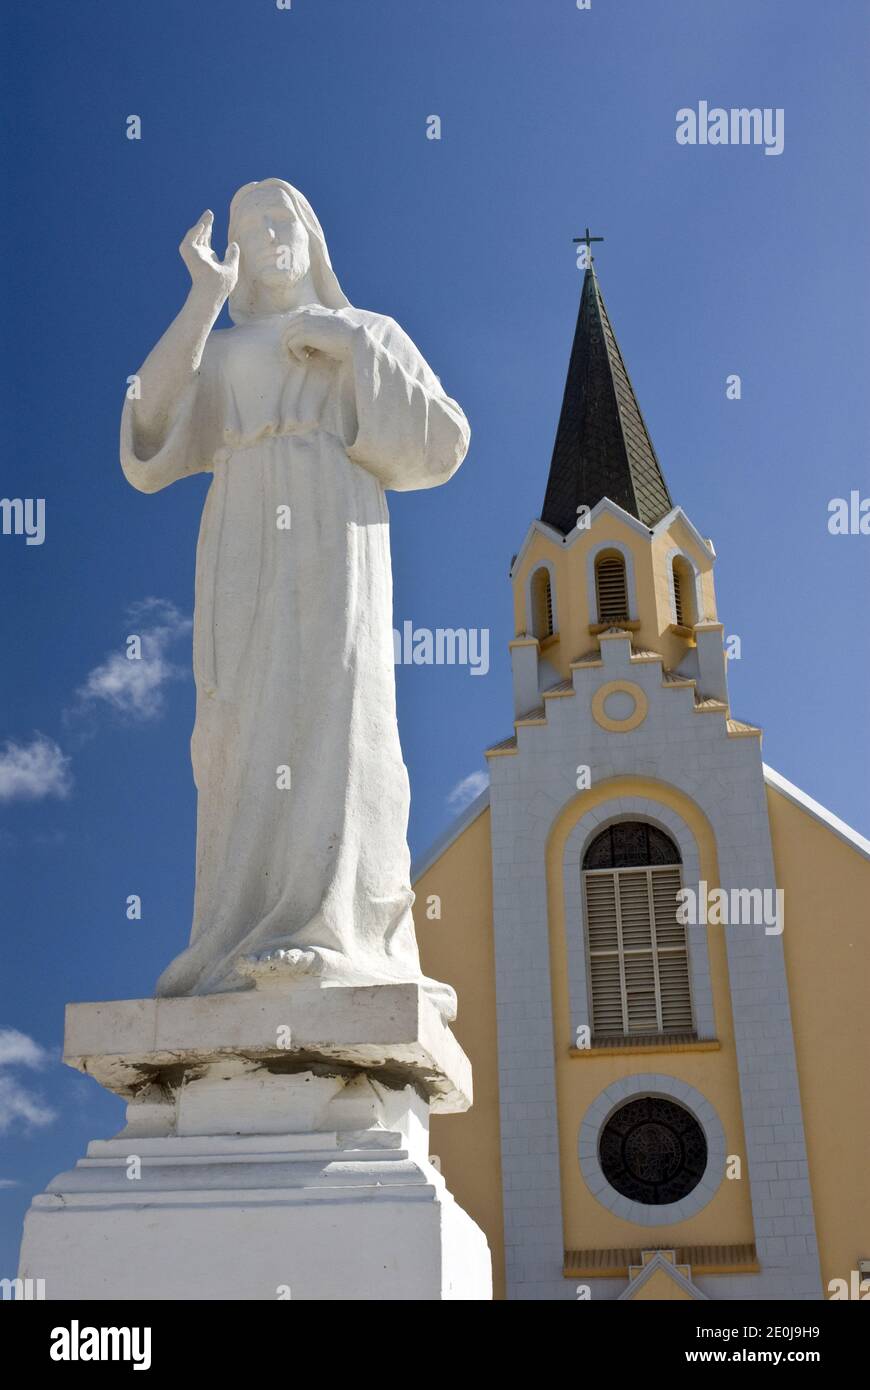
(602, 448)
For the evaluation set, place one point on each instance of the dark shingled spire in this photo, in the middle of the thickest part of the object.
(602, 446)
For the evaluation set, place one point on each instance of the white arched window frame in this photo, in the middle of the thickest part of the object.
(530, 605)
(630, 586)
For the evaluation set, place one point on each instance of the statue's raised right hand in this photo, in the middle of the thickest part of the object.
(206, 271)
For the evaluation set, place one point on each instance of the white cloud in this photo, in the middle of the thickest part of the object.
(29, 771)
(8, 1182)
(18, 1104)
(135, 688)
(17, 1049)
(467, 790)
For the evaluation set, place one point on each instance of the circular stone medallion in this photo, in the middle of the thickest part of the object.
(619, 706)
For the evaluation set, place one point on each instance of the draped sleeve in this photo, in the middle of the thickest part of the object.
(191, 438)
(409, 432)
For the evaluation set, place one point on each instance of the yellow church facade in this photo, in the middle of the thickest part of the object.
(659, 944)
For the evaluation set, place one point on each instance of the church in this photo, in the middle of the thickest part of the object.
(671, 1102)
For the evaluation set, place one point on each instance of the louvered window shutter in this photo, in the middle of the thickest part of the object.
(638, 959)
(678, 595)
(673, 962)
(611, 589)
(542, 604)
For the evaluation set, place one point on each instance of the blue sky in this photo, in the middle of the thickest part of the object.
(716, 260)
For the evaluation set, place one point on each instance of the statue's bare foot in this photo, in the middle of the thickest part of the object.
(281, 964)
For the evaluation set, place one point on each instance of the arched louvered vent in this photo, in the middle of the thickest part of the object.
(610, 587)
(678, 595)
(684, 590)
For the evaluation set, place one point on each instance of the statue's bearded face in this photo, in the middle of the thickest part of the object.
(273, 243)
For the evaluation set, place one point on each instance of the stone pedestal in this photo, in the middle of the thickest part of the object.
(276, 1147)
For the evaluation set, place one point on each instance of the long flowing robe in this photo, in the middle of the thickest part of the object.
(293, 646)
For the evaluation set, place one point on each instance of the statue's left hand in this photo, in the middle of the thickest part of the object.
(318, 330)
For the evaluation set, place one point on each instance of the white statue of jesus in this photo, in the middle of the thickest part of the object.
(304, 412)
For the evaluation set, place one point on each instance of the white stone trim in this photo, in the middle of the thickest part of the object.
(607, 813)
(537, 528)
(634, 1088)
(659, 1262)
(554, 599)
(630, 585)
(821, 813)
(541, 528)
(606, 505)
(677, 514)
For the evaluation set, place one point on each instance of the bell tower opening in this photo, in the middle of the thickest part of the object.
(611, 590)
(684, 593)
(542, 604)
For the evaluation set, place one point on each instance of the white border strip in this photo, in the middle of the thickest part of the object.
(792, 793)
(659, 1262)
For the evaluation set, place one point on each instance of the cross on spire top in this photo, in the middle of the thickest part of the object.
(587, 240)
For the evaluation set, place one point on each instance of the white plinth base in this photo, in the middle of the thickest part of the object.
(251, 1171)
(265, 1218)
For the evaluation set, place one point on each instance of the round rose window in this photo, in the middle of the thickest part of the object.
(652, 1151)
